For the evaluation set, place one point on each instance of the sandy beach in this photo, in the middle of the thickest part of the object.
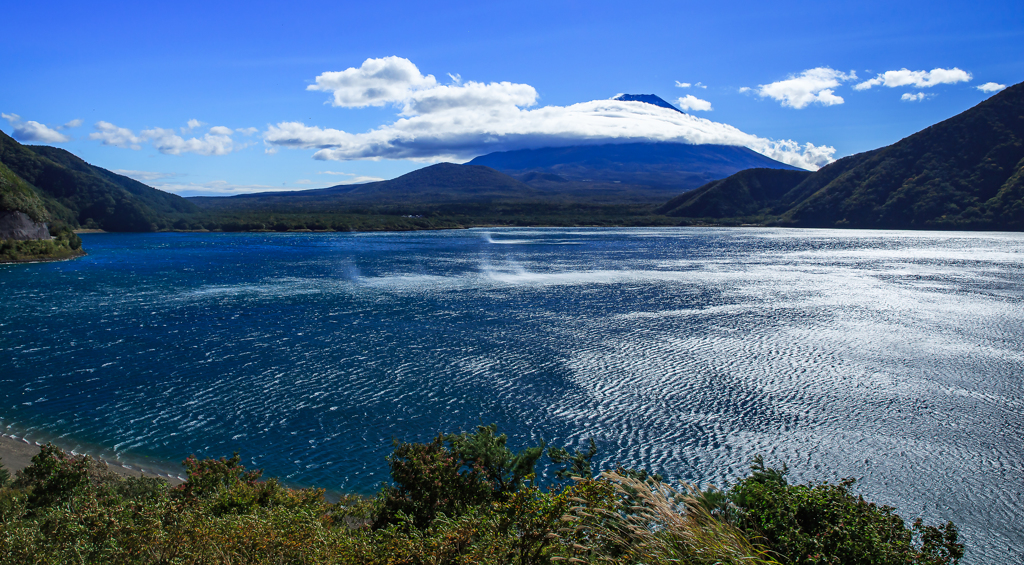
(16, 454)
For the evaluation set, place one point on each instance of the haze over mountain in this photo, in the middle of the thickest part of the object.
(966, 172)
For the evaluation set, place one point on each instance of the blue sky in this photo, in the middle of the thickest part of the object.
(209, 98)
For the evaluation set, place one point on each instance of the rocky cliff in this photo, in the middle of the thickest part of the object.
(17, 225)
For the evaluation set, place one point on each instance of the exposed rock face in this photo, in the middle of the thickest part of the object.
(17, 225)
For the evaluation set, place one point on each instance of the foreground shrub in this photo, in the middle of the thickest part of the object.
(463, 498)
(429, 480)
(826, 524)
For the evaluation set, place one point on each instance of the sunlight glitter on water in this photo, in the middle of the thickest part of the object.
(893, 357)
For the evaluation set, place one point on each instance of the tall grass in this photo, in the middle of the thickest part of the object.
(651, 522)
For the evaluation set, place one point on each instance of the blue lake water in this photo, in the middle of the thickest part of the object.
(892, 357)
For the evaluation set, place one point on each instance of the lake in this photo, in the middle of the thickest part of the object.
(892, 357)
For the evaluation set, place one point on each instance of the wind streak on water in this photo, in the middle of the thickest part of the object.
(893, 357)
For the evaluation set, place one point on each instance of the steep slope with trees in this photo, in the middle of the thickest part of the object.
(28, 230)
(746, 193)
(966, 172)
(96, 197)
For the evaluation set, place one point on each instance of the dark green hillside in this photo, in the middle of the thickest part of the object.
(746, 193)
(956, 174)
(38, 243)
(160, 201)
(17, 196)
(964, 173)
(95, 197)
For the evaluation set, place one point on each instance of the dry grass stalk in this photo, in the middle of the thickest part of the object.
(654, 523)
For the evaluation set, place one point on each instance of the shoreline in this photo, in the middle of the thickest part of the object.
(16, 453)
(42, 259)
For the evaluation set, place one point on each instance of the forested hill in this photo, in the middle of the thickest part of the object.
(745, 193)
(17, 196)
(966, 172)
(93, 197)
(32, 227)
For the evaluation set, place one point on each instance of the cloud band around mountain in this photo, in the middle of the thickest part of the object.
(459, 121)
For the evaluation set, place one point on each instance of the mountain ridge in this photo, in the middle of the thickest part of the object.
(658, 165)
(966, 172)
(652, 99)
(89, 196)
(441, 183)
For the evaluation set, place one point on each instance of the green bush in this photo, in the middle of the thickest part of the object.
(53, 478)
(464, 498)
(826, 524)
(429, 480)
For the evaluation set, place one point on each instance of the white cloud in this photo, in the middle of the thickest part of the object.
(193, 124)
(471, 95)
(690, 102)
(356, 179)
(991, 87)
(461, 133)
(217, 141)
(917, 79)
(376, 83)
(247, 131)
(394, 80)
(217, 188)
(744, 89)
(144, 176)
(109, 134)
(33, 131)
(72, 124)
(908, 97)
(811, 86)
(683, 84)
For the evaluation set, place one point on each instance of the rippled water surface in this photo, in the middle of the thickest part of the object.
(893, 357)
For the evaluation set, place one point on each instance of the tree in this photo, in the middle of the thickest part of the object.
(826, 524)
